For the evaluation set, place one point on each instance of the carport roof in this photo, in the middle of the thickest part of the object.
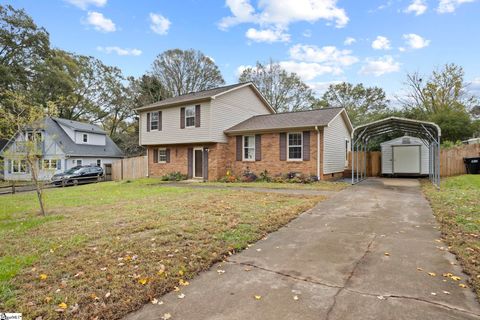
(424, 129)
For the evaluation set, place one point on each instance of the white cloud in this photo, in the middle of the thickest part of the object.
(120, 51)
(320, 87)
(349, 41)
(84, 4)
(100, 22)
(309, 70)
(449, 6)
(159, 24)
(279, 14)
(417, 6)
(380, 66)
(414, 41)
(329, 55)
(381, 43)
(267, 35)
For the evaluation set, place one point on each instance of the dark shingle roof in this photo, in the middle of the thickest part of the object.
(71, 148)
(79, 126)
(194, 96)
(301, 119)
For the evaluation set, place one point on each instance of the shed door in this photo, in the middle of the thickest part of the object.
(406, 159)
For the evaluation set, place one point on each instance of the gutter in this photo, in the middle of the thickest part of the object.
(318, 152)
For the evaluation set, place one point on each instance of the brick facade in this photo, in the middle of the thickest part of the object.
(222, 158)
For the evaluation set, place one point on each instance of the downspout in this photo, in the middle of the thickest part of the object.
(318, 152)
(148, 162)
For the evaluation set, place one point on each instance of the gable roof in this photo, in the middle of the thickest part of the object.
(52, 127)
(287, 120)
(203, 96)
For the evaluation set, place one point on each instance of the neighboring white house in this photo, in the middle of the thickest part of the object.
(63, 144)
(405, 156)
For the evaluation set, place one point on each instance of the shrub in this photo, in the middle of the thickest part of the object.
(296, 177)
(248, 176)
(174, 176)
(264, 176)
(229, 177)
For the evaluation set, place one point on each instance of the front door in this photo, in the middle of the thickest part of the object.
(198, 163)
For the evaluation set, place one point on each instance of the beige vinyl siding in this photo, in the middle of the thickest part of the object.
(334, 145)
(387, 154)
(232, 108)
(171, 132)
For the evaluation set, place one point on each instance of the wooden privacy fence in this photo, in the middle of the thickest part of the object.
(451, 160)
(130, 168)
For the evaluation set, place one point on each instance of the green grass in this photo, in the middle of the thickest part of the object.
(103, 238)
(321, 185)
(457, 208)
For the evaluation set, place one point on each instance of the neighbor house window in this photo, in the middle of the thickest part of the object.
(23, 166)
(190, 116)
(295, 146)
(99, 163)
(154, 121)
(162, 155)
(249, 148)
(15, 166)
(51, 164)
(85, 137)
(79, 162)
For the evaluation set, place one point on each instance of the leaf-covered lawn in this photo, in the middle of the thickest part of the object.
(457, 208)
(107, 248)
(320, 185)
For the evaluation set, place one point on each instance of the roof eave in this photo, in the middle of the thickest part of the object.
(267, 130)
(154, 106)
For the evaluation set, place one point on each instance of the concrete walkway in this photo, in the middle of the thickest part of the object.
(365, 253)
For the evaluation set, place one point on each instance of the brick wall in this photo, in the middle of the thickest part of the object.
(271, 157)
(179, 160)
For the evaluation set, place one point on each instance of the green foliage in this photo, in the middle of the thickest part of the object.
(363, 104)
(284, 91)
(174, 176)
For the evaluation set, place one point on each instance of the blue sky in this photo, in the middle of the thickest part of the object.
(375, 42)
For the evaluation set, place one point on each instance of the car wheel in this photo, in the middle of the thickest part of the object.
(75, 182)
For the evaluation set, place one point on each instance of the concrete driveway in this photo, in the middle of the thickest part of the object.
(365, 253)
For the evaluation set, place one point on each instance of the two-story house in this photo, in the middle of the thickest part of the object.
(60, 144)
(204, 134)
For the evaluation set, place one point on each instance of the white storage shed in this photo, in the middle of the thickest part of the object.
(405, 156)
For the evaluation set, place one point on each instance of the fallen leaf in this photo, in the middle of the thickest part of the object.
(166, 316)
(433, 293)
(433, 274)
(43, 276)
(154, 301)
(381, 297)
(447, 275)
(107, 295)
(176, 289)
(63, 305)
(295, 298)
(258, 297)
(48, 299)
(259, 249)
(143, 281)
(419, 269)
(183, 283)
(219, 271)
(181, 296)
(181, 272)
(455, 278)
(462, 285)
(387, 254)
(446, 292)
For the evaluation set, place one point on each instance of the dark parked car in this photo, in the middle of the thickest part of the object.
(78, 175)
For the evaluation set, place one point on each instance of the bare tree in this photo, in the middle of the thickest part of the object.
(180, 72)
(284, 91)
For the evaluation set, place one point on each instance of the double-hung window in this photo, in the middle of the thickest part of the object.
(162, 155)
(249, 148)
(295, 146)
(154, 121)
(85, 137)
(190, 116)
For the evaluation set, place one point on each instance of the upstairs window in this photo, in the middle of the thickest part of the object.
(85, 137)
(295, 146)
(154, 121)
(248, 148)
(99, 162)
(190, 116)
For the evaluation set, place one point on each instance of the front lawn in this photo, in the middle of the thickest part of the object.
(457, 208)
(105, 249)
(320, 185)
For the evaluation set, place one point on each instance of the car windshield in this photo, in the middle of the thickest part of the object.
(73, 170)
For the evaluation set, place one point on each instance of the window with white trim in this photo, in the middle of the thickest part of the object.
(190, 116)
(85, 137)
(99, 162)
(23, 166)
(79, 162)
(162, 155)
(51, 164)
(295, 146)
(154, 121)
(248, 148)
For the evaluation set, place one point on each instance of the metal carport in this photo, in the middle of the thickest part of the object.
(428, 132)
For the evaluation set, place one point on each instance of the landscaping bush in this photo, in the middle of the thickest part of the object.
(248, 176)
(229, 177)
(174, 176)
(296, 177)
(264, 176)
